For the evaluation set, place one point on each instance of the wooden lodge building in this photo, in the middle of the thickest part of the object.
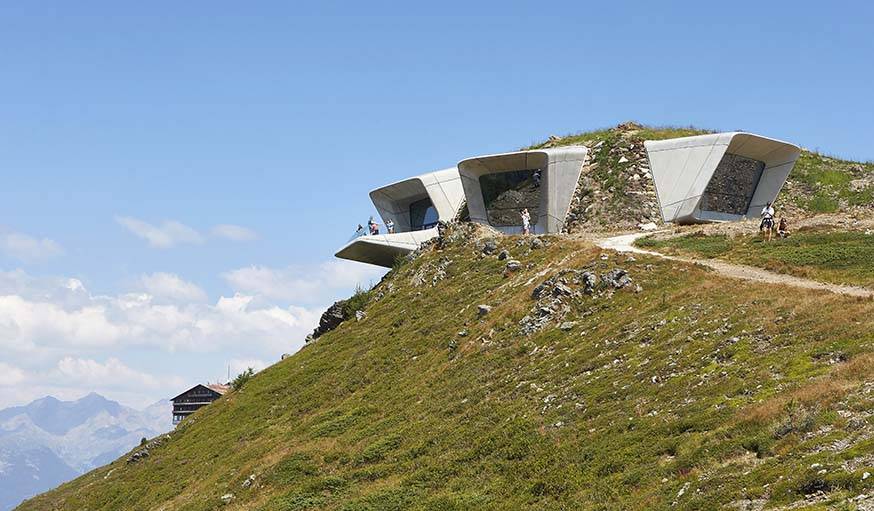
(196, 398)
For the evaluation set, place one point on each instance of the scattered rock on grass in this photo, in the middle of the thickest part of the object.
(513, 265)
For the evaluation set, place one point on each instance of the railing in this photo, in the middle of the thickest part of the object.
(425, 227)
(365, 232)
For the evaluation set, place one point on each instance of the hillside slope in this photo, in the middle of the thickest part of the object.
(590, 380)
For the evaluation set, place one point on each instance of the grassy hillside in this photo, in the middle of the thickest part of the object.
(839, 256)
(577, 390)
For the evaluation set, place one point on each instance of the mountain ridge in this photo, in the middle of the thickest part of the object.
(49, 441)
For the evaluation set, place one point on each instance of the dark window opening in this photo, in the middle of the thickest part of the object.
(423, 215)
(733, 184)
(505, 194)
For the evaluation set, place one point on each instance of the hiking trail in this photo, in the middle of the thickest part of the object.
(625, 243)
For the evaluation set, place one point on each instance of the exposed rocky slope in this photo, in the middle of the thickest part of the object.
(539, 373)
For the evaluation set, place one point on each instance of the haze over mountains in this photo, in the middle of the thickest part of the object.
(48, 441)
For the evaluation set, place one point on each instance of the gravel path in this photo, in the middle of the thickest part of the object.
(625, 243)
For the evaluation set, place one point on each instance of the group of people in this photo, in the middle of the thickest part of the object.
(766, 227)
(373, 227)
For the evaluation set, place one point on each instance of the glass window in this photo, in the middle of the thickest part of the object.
(505, 194)
(423, 215)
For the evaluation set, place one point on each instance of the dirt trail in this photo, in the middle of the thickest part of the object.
(625, 243)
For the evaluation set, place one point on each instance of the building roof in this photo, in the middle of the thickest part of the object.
(218, 387)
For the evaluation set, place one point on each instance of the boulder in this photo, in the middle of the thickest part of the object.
(490, 246)
(616, 278)
(330, 320)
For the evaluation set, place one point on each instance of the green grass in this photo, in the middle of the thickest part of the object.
(842, 257)
(826, 183)
(590, 138)
(693, 382)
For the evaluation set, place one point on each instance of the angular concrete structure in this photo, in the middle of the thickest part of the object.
(718, 177)
(415, 205)
(498, 186)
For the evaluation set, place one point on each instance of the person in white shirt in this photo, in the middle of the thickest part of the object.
(767, 225)
(390, 226)
(526, 221)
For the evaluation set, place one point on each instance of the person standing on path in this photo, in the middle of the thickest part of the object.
(526, 221)
(767, 221)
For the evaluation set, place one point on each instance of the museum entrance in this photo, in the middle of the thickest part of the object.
(505, 194)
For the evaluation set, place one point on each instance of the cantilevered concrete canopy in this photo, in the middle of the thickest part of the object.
(414, 205)
(384, 249)
(559, 174)
(718, 177)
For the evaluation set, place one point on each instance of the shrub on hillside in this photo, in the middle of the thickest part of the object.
(242, 378)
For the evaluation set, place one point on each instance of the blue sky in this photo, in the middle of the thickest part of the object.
(173, 159)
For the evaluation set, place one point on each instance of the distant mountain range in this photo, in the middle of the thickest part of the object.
(48, 441)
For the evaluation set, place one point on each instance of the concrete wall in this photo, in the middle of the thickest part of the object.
(683, 167)
(443, 187)
(393, 202)
(560, 174)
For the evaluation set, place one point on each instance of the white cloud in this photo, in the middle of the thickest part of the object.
(169, 234)
(58, 338)
(239, 365)
(302, 284)
(73, 377)
(61, 313)
(170, 286)
(27, 248)
(89, 373)
(10, 375)
(234, 232)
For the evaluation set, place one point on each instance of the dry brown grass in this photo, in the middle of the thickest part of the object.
(820, 392)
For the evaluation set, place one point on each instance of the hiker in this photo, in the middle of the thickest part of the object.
(783, 228)
(390, 226)
(373, 227)
(536, 178)
(767, 225)
(359, 231)
(526, 221)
